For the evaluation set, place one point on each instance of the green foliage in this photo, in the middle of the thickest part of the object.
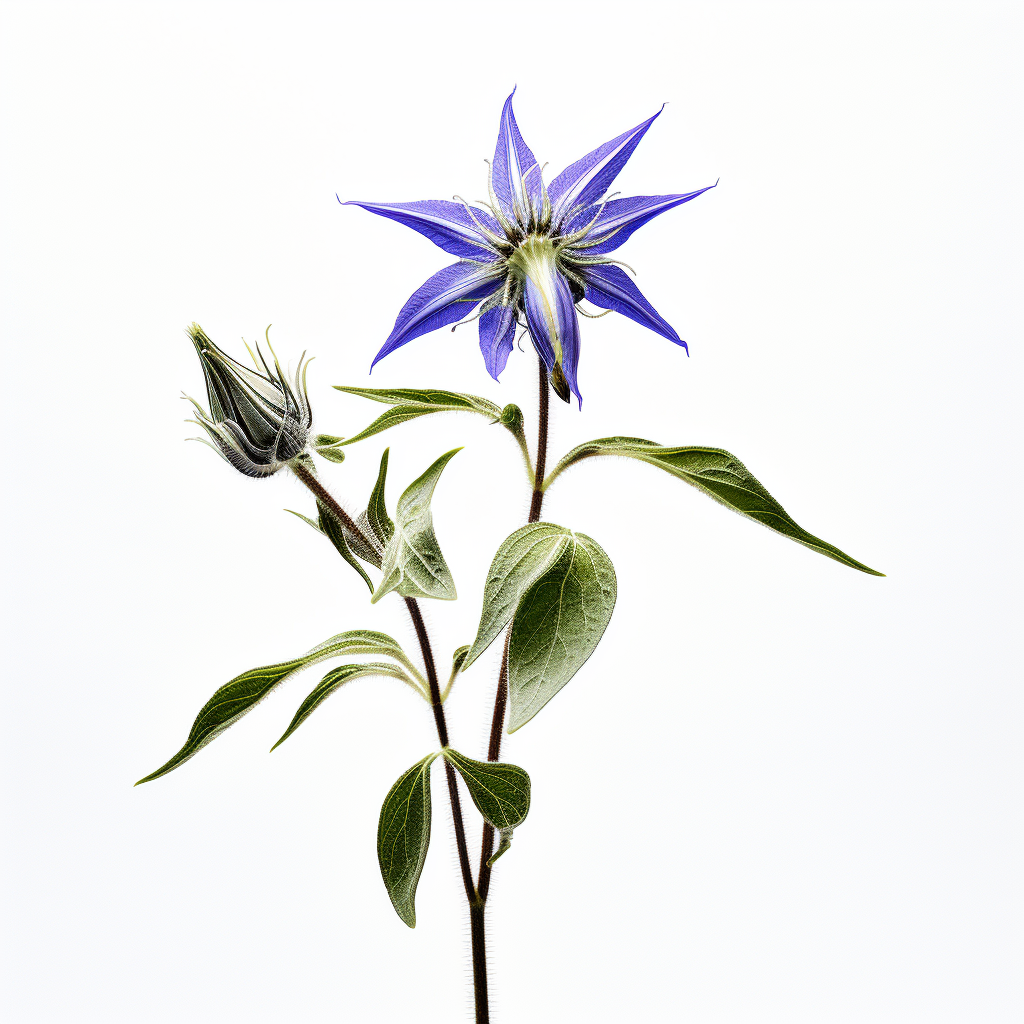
(403, 836)
(377, 511)
(413, 564)
(500, 791)
(557, 625)
(326, 524)
(336, 678)
(409, 403)
(457, 660)
(522, 557)
(239, 696)
(718, 474)
(328, 446)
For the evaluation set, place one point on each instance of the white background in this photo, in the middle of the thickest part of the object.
(782, 791)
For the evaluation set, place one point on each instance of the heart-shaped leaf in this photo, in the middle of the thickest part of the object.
(557, 625)
(413, 564)
(403, 836)
(239, 696)
(500, 791)
(718, 474)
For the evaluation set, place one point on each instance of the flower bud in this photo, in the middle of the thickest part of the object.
(257, 420)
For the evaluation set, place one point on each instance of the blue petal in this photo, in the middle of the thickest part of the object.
(554, 325)
(585, 181)
(444, 298)
(621, 217)
(497, 332)
(515, 175)
(610, 288)
(446, 224)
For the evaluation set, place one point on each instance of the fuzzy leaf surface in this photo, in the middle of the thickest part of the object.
(718, 474)
(334, 679)
(521, 559)
(557, 625)
(500, 791)
(413, 564)
(241, 694)
(403, 836)
(409, 403)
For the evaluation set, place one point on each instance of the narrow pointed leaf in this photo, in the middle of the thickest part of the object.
(377, 511)
(557, 625)
(521, 559)
(500, 791)
(239, 696)
(403, 836)
(718, 474)
(337, 535)
(409, 403)
(413, 564)
(334, 679)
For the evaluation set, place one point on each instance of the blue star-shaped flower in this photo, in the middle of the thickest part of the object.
(532, 254)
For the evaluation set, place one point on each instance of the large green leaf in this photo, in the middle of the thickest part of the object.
(522, 557)
(408, 403)
(403, 836)
(336, 678)
(557, 625)
(718, 474)
(239, 696)
(413, 564)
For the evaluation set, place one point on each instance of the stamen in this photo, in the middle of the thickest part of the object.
(484, 230)
(499, 213)
(591, 316)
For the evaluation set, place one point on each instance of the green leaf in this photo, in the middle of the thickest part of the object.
(500, 791)
(344, 543)
(336, 678)
(457, 660)
(326, 440)
(718, 474)
(413, 564)
(338, 536)
(512, 421)
(521, 559)
(377, 511)
(331, 454)
(409, 403)
(403, 836)
(239, 696)
(557, 625)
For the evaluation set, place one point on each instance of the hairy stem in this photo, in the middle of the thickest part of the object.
(501, 697)
(325, 497)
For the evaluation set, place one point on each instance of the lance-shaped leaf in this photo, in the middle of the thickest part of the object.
(336, 678)
(557, 625)
(403, 836)
(500, 791)
(347, 544)
(718, 474)
(377, 511)
(239, 696)
(413, 564)
(409, 403)
(522, 558)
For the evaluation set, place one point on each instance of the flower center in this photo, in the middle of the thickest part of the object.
(535, 262)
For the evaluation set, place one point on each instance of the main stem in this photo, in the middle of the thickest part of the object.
(475, 903)
(501, 697)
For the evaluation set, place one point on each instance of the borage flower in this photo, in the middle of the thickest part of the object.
(532, 254)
